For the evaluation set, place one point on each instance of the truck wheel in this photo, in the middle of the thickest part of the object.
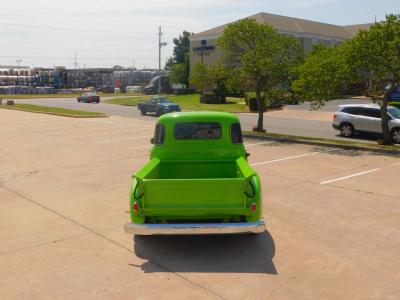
(143, 112)
(396, 135)
(346, 130)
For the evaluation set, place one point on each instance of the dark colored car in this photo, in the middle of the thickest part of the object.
(158, 105)
(89, 98)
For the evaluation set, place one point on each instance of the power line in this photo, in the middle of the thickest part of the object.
(81, 58)
(71, 29)
(59, 20)
(65, 49)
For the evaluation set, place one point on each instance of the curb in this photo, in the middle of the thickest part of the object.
(324, 144)
(54, 114)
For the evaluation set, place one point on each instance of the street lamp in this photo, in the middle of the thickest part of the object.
(203, 46)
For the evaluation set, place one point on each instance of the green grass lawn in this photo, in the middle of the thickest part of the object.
(53, 110)
(189, 102)
(372, 145)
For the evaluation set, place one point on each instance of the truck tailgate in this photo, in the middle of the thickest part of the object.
(194, 195)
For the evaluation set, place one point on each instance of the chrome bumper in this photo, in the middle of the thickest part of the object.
(189, 229)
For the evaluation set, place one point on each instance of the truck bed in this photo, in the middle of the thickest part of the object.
(194, 189)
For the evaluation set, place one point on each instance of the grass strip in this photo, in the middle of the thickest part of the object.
(189, 102)
(323, 142)
(54, 110)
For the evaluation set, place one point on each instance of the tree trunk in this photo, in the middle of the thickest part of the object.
(387, 136)
(260, 123)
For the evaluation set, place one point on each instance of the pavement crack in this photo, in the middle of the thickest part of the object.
(365, 192)
(90, 230)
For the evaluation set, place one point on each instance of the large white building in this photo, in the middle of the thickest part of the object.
(203, 45)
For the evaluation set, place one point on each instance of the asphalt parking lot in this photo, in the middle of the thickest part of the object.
(332, 217)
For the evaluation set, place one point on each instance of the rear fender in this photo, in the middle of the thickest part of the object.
(253, 189)
(137, 192)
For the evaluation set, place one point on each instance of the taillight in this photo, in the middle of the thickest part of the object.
(334, 116)
(253, 207)
(135, 207)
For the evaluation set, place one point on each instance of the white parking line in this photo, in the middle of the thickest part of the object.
(255, 144)
(140, 147)
(123, 139)
(14, 119)
(104, 133)
(284, 158)
(350, 176)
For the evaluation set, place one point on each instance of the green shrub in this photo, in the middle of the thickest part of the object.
(395, 104)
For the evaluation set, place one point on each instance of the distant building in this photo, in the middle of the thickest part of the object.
(203, 45)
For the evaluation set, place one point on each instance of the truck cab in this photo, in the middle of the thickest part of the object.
(198, 180)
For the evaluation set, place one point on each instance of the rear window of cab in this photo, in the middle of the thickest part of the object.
(197, 131)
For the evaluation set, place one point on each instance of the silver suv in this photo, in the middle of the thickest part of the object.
(353, 118)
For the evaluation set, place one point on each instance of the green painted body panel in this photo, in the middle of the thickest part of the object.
(196, 179)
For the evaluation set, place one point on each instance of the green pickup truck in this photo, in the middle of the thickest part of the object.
(197, 181)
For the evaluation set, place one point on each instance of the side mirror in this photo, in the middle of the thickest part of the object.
(152, 140)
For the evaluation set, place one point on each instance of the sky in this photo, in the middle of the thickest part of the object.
(104, 33)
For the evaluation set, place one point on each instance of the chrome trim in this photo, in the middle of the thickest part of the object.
(196, 228)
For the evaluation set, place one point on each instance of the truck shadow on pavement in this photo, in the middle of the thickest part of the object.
(211, 254)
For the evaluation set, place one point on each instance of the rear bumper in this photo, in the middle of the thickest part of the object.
(189, 229)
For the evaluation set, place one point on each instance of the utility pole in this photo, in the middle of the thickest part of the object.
(160, 44)
(75, 74)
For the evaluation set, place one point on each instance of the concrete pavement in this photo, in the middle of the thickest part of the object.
(294, 120)
(332, 220)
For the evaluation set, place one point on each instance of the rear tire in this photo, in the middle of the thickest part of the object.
(346, 130)
(396, 135)
(143, 112)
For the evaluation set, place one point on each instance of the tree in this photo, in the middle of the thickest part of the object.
(375, 55)
(372, 56)
(181, 56)
(258, 57)
(322, 75)
(178, 74)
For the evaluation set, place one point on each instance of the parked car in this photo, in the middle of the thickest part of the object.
(353, 118)
(395, 95)
(159, 105)
(89, 98)
(198, 180)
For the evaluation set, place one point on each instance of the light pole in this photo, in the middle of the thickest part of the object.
(203, 46)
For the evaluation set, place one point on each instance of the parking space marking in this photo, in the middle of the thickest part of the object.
(358, 174)
(141, 147)
(14, 119)
(284, 158)
(95, 128)
(104, 133)
(123, 139)
(350, 176)
(255, 144)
